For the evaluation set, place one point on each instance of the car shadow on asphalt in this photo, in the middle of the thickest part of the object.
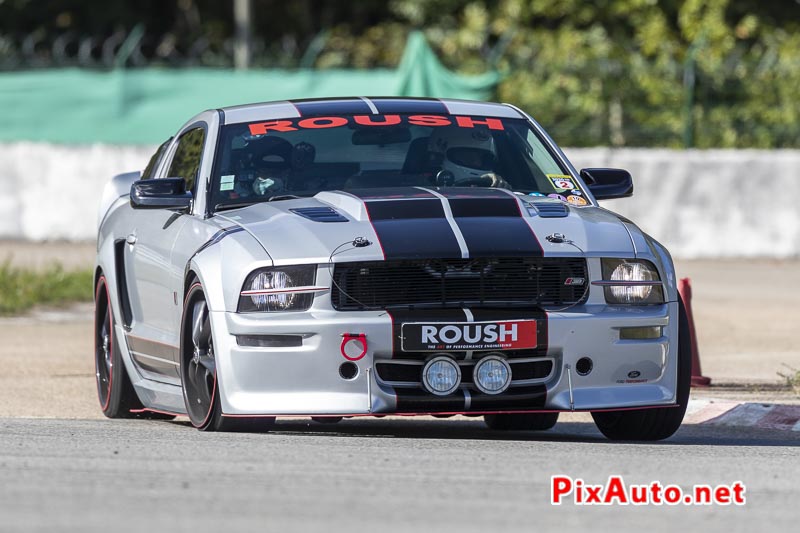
(475, 429)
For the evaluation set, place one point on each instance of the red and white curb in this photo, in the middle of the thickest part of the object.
(727, 413)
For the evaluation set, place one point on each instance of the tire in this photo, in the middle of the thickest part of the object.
(521, 422)
(115, 392)
(199, 372)
(660, 422)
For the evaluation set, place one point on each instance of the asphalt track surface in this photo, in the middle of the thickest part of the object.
(377, 475)
(65, 468)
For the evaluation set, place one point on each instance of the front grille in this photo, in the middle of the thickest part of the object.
(452, 283)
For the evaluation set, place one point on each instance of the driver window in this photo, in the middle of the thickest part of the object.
(150, 169)
(186, 161)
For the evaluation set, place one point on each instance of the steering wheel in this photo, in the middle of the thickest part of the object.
(489, 179)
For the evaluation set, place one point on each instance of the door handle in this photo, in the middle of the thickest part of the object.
(131, 239)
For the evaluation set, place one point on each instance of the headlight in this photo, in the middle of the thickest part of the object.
(279, 289)
(631, 281)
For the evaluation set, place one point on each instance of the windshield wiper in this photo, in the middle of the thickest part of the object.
(279, 197)
(234, 205)
(230, 205)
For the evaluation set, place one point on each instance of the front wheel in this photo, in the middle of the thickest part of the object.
(199, 371)
(660, 422)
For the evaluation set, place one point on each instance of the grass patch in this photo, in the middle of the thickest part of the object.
(792, 378)
(21, 289)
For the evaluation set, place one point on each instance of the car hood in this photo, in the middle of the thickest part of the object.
(413, 223)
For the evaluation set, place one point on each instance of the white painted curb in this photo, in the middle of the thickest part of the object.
(727, 413)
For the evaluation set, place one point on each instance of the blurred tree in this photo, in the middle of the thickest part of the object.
(621, 72)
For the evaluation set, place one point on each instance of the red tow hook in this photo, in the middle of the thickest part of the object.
(354, 346)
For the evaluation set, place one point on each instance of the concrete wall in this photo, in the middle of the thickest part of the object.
(52, 191)
(700, 204)
(710, 203)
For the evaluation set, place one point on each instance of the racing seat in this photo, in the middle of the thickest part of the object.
(418, 157)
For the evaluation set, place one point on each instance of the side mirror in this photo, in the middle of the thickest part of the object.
(166, 193)
(608, 183)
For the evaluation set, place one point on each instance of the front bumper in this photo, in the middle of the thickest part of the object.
(305, 379)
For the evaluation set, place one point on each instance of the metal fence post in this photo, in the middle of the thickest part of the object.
(688, 103)
(242, 11)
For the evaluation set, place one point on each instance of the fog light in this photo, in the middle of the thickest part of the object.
(492, 374)
(583, 366)
(441, 375)
(348, 370)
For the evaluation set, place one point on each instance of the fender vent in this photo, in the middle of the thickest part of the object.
(555, 209)
(319, 214)
(122, 283)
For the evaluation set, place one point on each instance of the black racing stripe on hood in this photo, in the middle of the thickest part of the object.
(413, 229)
(411, 224)
(491, 222)
(488, 236)
(334, 106)
(416, 106)
(484, 207)
(404, 209)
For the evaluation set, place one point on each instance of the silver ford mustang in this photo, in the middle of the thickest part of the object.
(372, 256)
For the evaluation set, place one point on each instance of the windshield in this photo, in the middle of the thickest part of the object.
(279, 159)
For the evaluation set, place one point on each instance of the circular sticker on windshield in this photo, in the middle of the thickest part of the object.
(535, 194)
(557, 197)
(576, 200)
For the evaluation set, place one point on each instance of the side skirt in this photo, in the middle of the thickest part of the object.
(160, 397)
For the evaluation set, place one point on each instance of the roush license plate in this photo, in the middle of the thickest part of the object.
(464, 336)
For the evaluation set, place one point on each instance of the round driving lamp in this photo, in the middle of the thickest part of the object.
(492, 374)
(441, 375)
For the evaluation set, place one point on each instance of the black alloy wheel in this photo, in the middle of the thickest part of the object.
(199, 371)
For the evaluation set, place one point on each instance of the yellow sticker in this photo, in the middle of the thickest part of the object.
(561, 181)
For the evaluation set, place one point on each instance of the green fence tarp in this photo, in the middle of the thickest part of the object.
(145, 106)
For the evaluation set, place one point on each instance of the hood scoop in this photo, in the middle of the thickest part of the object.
(548, 208)
(319, 214)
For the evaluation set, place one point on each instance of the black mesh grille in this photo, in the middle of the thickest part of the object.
(458, 282)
